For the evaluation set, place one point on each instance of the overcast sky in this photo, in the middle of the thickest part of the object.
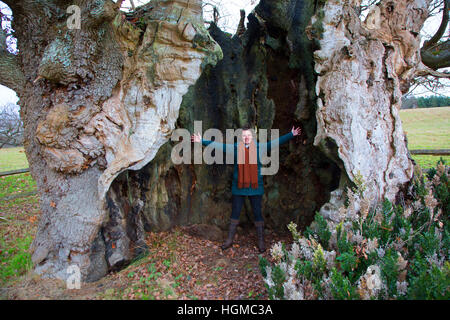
(229, 21)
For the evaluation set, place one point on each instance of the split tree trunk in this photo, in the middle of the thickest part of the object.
(97, 101)
(99, 105)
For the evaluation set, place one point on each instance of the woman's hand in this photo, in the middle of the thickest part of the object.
(295, 131)
(196, 137)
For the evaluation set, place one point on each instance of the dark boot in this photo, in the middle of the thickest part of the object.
(232, 231)
(260, 234)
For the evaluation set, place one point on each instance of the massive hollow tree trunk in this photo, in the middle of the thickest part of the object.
(364, 68)
(99, 105)
(98, 101)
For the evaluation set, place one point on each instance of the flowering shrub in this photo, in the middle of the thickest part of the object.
(378, 251)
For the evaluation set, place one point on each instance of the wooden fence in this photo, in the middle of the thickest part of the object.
(431, 152)
(10, 173)
(437, 152)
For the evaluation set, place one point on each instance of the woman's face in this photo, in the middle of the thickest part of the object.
(247, 136)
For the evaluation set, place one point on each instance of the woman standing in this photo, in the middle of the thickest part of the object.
(247, 179)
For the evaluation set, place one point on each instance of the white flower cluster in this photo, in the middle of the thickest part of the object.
(402, 288)
(277, 252)
(268, 279)
(293, 291)
(330, 258)
(293, 287)
(305, 249)
(372, 245)
(370, 285)
(326, 287)
(434, 260)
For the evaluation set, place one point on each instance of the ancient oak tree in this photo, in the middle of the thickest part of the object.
(99, 104)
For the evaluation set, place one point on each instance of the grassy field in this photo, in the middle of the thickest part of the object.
(13, 159)
(427, 128)
(18, 217)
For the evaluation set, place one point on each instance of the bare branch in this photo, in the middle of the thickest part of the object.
(241, 27)
(429, 83)
(119, 3)
(442, 28)
(423, 70)
(437, 56)
(435, 7)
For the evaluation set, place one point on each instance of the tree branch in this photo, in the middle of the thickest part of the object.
(424, 70)
(442, 28)
(437, 56)
(10, 72)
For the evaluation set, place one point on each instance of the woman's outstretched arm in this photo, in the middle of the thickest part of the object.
(283, 139)
(225, 147)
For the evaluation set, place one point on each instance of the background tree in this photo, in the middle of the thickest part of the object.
(11, 127)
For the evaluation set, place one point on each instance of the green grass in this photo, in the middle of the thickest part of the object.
(16, 228)
(12, 159)
(427, 128)
(18, 224)
(14, 260)
(16, 184)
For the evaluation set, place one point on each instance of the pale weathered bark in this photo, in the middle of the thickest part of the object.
(97, 101)
(364, 67)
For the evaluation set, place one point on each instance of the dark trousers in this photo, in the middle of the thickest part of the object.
(238, 202)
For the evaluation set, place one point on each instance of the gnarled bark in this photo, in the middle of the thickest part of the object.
(364, 67)
(98, 101)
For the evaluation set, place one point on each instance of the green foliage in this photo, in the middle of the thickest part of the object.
(263, 263)
(305, 268)
(348, 261)
(319, 262)
(278, 277)
(433, 101)
(342, 244)
(429, 282)
(360, 185)
(293, 229)
(389, 271)
(320, 231)
(405, 246)
(341, 287)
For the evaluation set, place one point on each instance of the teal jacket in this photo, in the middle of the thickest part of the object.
(233, 148)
